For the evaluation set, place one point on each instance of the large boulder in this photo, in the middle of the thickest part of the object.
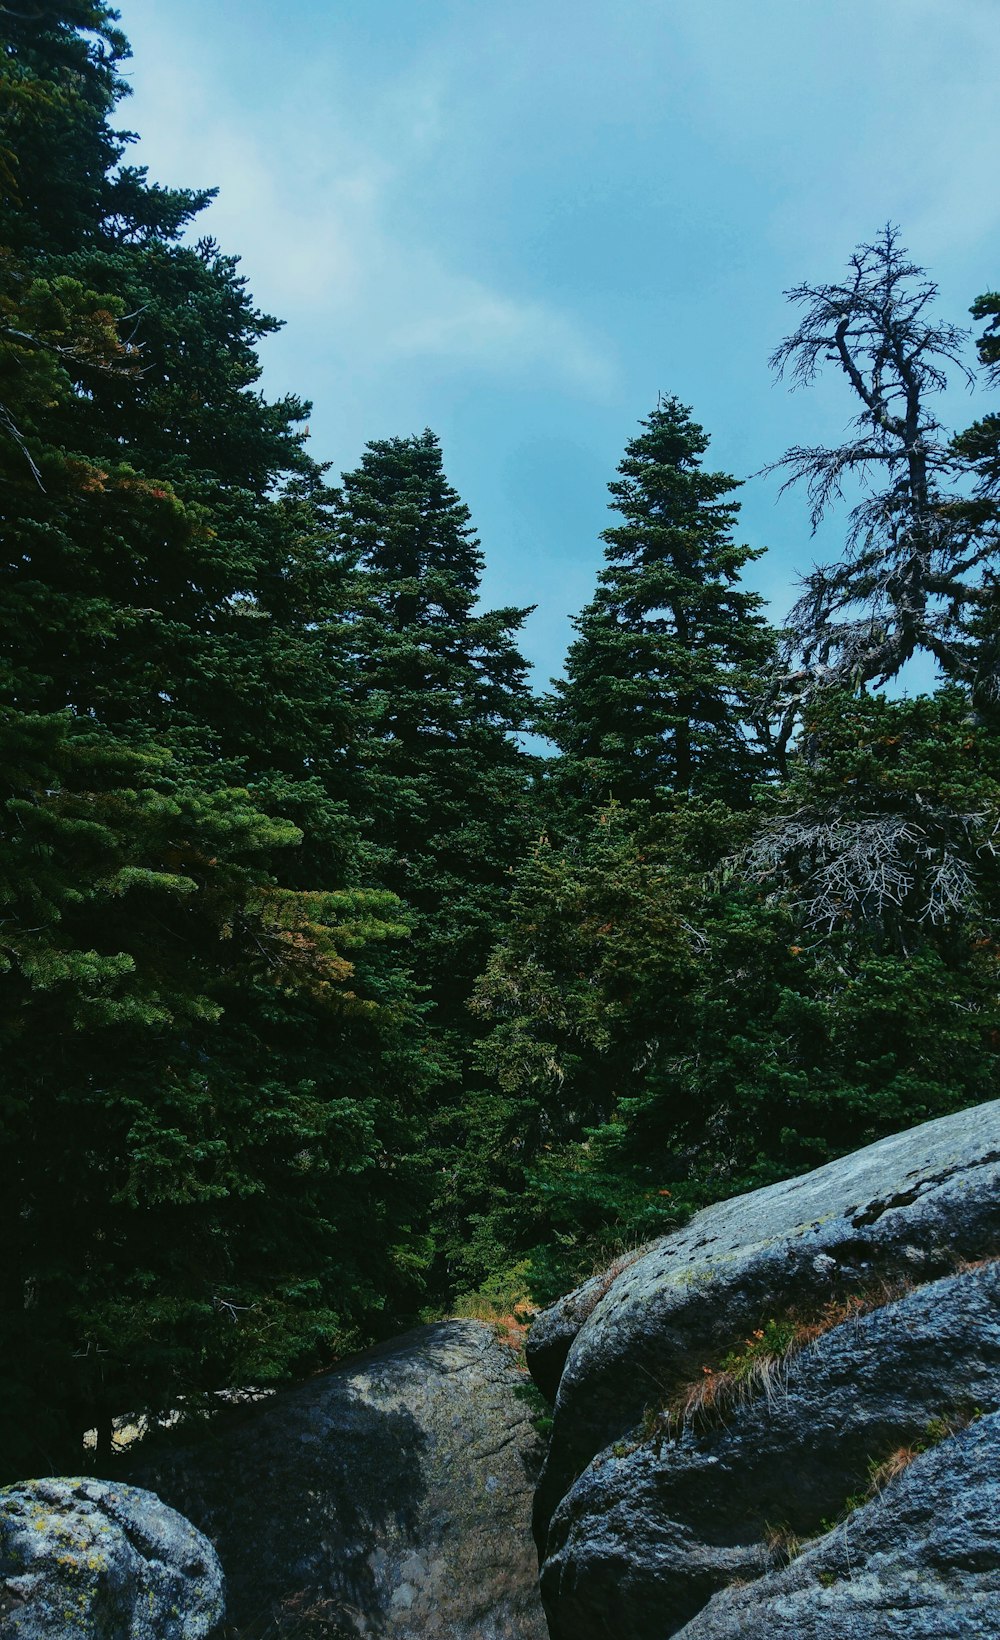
(921, 1561)
(912, 1205)
(389, 1497)
(554, 1329)
(653, 1529)
(96, 1560)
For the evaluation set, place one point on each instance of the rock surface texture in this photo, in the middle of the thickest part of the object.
(884, 1261)
(919, 1562)
(94, 1560)
(390, 1497)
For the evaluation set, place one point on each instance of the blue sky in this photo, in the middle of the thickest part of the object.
(517, 222)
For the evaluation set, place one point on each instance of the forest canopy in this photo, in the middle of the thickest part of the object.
(326, 1004)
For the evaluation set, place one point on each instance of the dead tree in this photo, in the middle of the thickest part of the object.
(914, 557)
(903, 871)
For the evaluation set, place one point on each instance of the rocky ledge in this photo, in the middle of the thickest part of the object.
(767, 1424)
(780, 1422)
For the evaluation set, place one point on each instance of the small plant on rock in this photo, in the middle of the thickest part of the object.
(883, 1471)
(782, 1543)
(503, 1300)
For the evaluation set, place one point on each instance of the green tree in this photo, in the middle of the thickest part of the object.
(591, 976)
(882, 851)
(656, 696)
(211, 1049)
(690, 1003)
(978, 450)
(440, 690)
(443, 785)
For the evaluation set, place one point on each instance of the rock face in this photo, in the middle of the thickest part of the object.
(390, 1497)
(94, 1560)
(553, 1331)
(920, 1562)
(640, 1523)
(680, 1518)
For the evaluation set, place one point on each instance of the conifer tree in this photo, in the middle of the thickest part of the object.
(685, 1007)
(441, 690)
(590, 979)
(655, 696)
(978, 449)
(211, 1052)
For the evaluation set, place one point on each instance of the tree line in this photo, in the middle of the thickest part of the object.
(323, 1002)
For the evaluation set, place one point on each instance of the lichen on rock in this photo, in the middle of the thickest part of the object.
(84, 1559)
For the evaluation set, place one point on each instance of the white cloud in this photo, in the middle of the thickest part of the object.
(309, 207)
(467, 323)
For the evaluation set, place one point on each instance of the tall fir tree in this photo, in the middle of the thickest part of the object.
(443, 785)
(590, 977)
(655, 698)
(441, 693)
(211, 1048)
(978, 450)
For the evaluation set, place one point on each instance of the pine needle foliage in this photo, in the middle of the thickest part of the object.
(658, 691)
(211, 1046)
(440, 689)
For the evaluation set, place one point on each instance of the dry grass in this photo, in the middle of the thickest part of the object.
(757, 1367)
(477, 1307)
(506, 1303)
(883, 1471)
(782, 1543)
(888, 1469)
(512, 1328)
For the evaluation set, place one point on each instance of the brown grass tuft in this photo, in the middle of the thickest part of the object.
(756, 1367)
(306, 1615)
(882, 1474)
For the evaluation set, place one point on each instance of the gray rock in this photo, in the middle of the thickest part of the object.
(554, 1329)
(389, 1497)
(649, 1533)
(920, 1562)
(912, 1203)
(95, 1560)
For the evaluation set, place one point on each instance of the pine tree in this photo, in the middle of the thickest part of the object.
(442, 692)
(211, 1048)
(978, 450)
(590, 979)
(685, 1007)
(443, 786)
(654, 700)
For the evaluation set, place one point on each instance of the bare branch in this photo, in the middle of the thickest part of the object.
(8, 424)
(912, 556)
(875, 868)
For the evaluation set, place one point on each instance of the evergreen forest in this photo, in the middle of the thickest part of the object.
(326, 1003)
